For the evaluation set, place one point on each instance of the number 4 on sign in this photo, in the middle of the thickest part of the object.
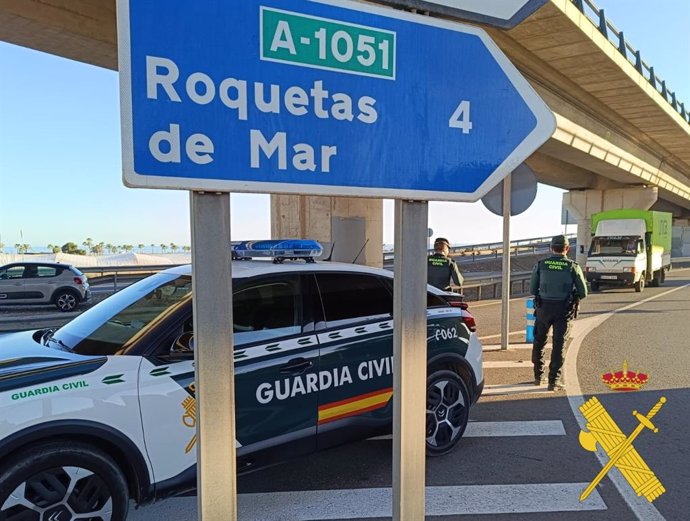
(461, 118)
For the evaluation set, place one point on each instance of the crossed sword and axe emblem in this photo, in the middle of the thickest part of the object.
(603, 430)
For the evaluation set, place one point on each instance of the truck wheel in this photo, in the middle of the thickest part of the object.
(663, 276)
(594, 285)
(656, 279)
(639, 285)
(65, 481)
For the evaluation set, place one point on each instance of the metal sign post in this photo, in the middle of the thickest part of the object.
(213, 356)
(505, 303)
(409, 359)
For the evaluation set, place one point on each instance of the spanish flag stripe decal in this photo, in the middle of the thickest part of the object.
(357, 405)
(355, 398)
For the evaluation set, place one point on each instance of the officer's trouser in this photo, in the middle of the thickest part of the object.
(550, 313)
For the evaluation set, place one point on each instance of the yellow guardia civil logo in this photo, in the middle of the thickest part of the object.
(603, 430)
(189, 416)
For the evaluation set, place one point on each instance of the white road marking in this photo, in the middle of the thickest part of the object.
(500, 389)
(492, 303)
(505, 429)
(523, 364)
(485, 337)
(644, 510)
(511, 347)
(515, 428)
(312, 505)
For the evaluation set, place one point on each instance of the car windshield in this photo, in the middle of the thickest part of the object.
(619, 245)
(111, 325)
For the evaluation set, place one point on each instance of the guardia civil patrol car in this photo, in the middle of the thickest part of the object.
(103, 409)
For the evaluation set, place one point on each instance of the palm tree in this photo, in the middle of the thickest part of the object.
(164, 247)
(17, 247)
(174, 247)
(141, 247)
(89, 244)
(98, 248)
(186, 249)
(152, 246)
(128, 247)
(50, 247)
(2, 247)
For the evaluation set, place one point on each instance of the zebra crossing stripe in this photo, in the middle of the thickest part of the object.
(506, 429)
(367, 503)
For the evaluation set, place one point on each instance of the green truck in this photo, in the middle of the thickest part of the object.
(629, 247)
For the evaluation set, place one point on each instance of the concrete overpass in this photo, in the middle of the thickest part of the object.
(623, 139)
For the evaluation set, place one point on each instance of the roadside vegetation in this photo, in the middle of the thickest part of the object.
(91, 247)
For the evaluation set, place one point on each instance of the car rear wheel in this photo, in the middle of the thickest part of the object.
(63, 481)
(447, 411)
(66, 300)
(594, 285)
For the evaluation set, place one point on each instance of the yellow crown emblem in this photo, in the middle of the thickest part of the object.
(625, 380)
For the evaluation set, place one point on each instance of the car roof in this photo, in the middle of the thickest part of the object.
(251, 268)
(37, 263)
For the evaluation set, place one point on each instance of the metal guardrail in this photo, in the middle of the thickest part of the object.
(482, 287)
(475, 286)
(493, 248)
(614, 35)
(99, 274)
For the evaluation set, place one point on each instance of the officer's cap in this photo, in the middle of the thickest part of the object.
(441, 240)
(559, 241)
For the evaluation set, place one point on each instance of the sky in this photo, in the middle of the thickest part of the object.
(60, 158)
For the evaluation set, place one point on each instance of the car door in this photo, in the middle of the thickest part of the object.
(12, 284)
(356, 338)
(275, 352)
(42, 285)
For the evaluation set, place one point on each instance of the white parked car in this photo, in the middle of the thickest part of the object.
(43, 283)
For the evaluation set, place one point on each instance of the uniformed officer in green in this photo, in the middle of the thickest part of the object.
(557, 284)
(441, 269)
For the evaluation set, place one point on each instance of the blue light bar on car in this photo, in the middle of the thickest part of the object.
(277, 249)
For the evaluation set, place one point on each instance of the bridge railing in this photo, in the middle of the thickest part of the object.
(492, 248)
(614, 35)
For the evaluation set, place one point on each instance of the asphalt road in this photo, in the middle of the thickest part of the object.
(521, 458)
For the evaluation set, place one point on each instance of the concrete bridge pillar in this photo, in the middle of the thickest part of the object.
(348, 223)
(583, 203)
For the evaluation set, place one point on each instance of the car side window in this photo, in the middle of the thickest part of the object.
(266, 309)
(48, 271)
(13, 272)
(351, 297)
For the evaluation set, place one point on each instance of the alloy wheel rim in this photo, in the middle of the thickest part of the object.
(67, 302)
(60, 494)
(445, 413)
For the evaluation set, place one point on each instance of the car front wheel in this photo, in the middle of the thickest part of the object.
(63, 481)
(447, 411)
(66, 301)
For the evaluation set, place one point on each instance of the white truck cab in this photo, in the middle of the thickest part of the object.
(629, 248)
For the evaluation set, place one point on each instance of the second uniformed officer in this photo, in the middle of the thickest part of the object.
(557, 284)
(441, 269)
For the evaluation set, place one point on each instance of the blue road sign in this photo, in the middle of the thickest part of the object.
(290, 96)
